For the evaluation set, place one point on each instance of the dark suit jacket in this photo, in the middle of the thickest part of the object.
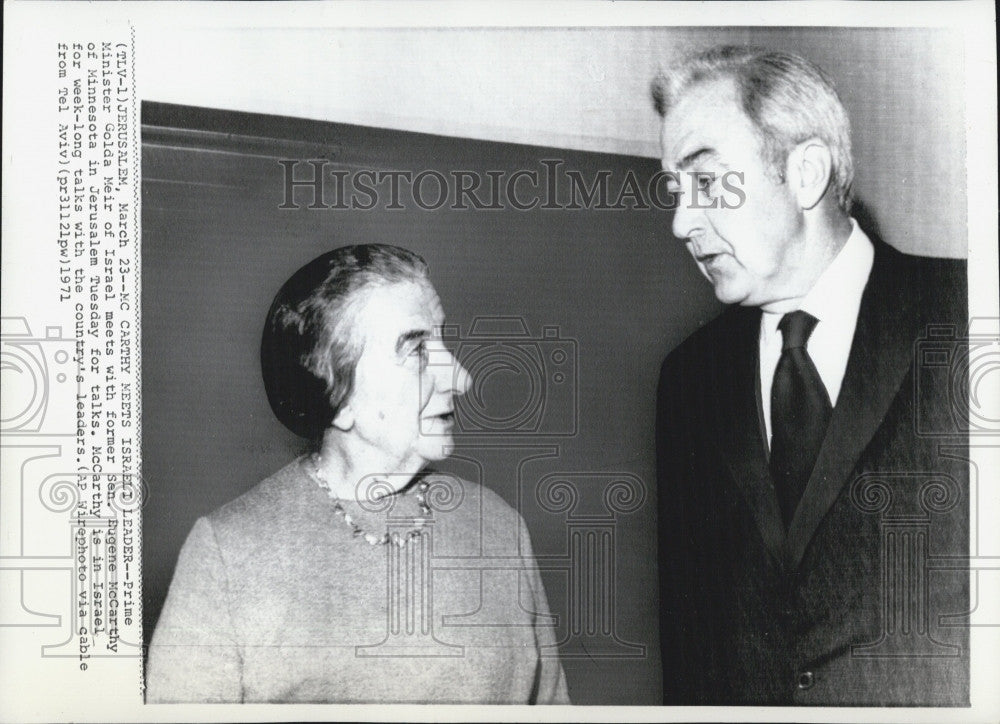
(861, 602)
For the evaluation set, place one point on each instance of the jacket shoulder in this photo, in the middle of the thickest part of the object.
(730, 331)
(935, 288)
(944, 268)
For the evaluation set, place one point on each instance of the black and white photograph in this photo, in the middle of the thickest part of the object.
(470, 361)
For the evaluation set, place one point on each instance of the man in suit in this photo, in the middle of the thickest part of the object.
(812, 524)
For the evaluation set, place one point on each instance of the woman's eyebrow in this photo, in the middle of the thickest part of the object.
(409, 336)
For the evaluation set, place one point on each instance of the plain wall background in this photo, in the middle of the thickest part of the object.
(216, 248)
(588, 89)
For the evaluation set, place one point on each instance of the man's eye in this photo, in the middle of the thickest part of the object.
(420, 350)
(705, 182)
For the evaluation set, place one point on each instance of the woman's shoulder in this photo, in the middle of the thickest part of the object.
(471, 520)
(449, 491)
(472, 508)
(280, 496)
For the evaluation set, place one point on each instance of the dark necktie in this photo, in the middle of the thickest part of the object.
(800, 413)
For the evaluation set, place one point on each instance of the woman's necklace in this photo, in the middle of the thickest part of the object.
(359, 532)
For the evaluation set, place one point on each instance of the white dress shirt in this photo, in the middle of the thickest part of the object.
(834, 300)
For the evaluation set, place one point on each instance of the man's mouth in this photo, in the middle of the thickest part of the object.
(710, 261)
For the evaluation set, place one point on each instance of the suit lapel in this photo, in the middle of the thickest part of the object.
(748, 452)
(880, 357)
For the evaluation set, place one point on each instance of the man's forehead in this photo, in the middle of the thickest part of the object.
(706, 96)
(696, 123)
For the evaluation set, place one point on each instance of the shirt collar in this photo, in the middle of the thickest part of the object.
(837, 292)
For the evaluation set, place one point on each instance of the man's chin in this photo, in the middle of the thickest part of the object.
(727, 295)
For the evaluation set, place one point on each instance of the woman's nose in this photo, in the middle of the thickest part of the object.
(449, 374)
(461, 379)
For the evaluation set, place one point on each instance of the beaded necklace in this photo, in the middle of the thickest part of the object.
(372, 538)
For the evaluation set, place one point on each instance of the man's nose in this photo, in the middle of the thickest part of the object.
(688, 220)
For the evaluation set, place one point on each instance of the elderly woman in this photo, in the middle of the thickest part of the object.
(355, 574)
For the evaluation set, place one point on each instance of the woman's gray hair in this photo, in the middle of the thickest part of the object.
(788, 99)
(311, 345)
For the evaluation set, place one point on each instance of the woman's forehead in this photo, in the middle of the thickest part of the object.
(410, 304)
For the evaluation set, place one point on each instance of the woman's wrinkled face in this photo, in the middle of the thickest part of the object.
(401, 406)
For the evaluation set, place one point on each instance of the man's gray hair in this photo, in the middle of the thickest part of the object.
(787, 98)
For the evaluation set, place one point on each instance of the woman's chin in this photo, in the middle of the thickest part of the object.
(437, 447)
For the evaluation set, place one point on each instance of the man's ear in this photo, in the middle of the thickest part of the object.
(809, 171)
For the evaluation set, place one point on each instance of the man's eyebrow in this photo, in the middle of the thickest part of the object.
(697, 155)
(407, 337)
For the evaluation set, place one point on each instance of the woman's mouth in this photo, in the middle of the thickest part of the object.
(448, 416)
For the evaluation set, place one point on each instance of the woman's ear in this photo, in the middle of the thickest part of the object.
(809, 170)
(344, 419)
